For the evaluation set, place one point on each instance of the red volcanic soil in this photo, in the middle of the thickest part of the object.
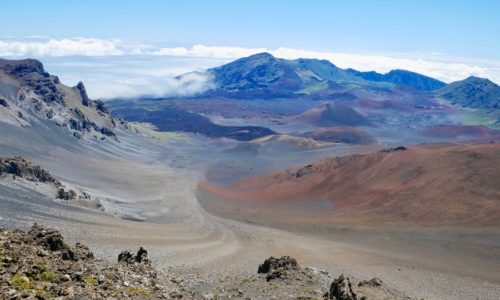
(469, 133)
(428, 185)
(333, 114)
(348, 135)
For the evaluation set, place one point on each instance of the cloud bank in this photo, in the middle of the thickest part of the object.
(156, 82)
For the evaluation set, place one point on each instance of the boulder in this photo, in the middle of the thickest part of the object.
(374, 282)
(341, 289)
(107, 132)
(82, 252)
(4, 103)
(277, 267)
(47, 237)
(141, 257)
(66, 195)
(125, 256)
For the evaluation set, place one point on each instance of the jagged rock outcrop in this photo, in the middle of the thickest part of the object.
(83, 93)
(30, 73)
(31, 93)
(25, 174)
(278, 267)
(101, 106)
(106, 131)
(48, 238)
(341, 289)
(20, 167)
(127, 257)
(65, 195)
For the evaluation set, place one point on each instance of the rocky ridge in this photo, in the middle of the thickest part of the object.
(28, 94)
(18, 166)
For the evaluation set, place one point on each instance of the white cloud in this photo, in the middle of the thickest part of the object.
(150, 86)
(133, 75)
(210, 52)
(128, 69)
(40, 47)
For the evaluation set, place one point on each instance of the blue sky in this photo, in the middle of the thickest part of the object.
(130, 42)
(465, 28)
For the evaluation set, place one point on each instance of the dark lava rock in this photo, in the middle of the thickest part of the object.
(49, 238)
(341, 289)
(107, 132)
(26, 67)
(50, 114)
(81, 122)
(374, 282)
(277, 267)
(389, 150)
(83, 94)
(66, 195)
(18, 166)
(38, 265)
(125, 256)
(140, 257)
(30, 72)
(4, 103)
(101, 106)
(173, 119)
(309, 169)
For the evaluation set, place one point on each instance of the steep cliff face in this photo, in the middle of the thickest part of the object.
(29, 94)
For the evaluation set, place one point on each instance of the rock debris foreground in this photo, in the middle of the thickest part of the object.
(38, 264)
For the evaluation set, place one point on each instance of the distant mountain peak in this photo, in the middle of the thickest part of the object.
(402, 77)
(472, 92)
(261, 55)
(475, 79)
(265, 76)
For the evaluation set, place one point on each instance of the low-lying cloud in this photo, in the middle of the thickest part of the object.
(133, 76)
(150, 86)
(158, 79)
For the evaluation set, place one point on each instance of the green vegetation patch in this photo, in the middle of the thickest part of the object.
(89, 280)
(138, 291)
(489, 119)
(314, 88)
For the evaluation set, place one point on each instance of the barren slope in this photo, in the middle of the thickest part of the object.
(432, 185)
